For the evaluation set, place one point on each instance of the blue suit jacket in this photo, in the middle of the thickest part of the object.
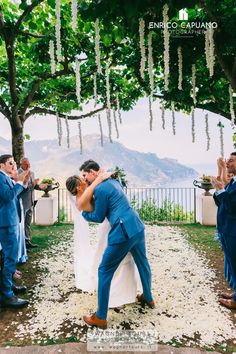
(110, 201)
(226, 214)
(9, 204)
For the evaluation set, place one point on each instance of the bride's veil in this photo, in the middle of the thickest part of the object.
(83, 251)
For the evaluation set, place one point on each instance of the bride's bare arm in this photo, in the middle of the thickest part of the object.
(84, 201)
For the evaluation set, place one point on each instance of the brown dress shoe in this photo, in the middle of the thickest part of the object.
(143, 301)
(93, 320)
(230, 304)
(227, 295)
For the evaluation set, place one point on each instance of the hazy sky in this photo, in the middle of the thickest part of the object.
(135, 133)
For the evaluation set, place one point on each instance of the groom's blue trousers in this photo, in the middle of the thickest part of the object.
(112, 257)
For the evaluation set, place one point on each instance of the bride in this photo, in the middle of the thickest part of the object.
(126, 281)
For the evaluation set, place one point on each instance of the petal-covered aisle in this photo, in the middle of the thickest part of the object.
(187, 309)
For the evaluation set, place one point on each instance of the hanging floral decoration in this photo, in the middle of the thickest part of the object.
(74, 12)
(194, 83)
(115, 122)
(108, 87)
(97, 46)
(78, 80)
(58, 31)
(108, 111)
(150, 113)
(166, 46)
(52, 57)
(67, 132)
(193, 126)
(163, 118)
(118, 107)
(100, 127)
(207, 131)
(209, 50)
(173, 122)
(59, 129)
(80, 138)
(95, 96)
(221, 126)
(142, 46)
(150, 64)
(180, 68)
(231, 105)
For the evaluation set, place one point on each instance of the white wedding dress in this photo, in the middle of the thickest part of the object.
(126, 281)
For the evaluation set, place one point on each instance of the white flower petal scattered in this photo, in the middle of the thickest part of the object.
(187, 307)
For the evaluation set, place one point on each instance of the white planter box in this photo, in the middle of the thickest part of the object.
(206, 210)
(46, 211)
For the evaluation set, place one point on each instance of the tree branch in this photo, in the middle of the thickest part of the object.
(4, 108)
(31, 34)
(39, 110)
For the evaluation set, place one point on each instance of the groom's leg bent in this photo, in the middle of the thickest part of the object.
(138, 252)
(111, 259)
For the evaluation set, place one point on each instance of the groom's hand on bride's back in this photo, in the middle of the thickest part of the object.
(103, 175)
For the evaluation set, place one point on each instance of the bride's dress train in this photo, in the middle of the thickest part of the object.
(126, 280)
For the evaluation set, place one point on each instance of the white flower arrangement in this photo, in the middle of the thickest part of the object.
(52, 57)
(150, 64)
(97, 46)
(67, 132)
(163, 118)
(166, 47)
(80, 138)
(231, 105)
(95, 95)
(78, 80)
(173, 121)
(58, 31)
(209, 50)
(118, 107)
(180, 68)
(207, 132)
(150, 112)
(193, 125)
(100, 128)
(59, 129)
(221, 126)
(74, 11)
(194, 83)
(142, 47)
(115, 122)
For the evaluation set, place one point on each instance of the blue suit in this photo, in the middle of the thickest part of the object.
(126, 235)
(226, 225)
(9, 220)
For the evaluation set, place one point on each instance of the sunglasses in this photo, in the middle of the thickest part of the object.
(12, 163)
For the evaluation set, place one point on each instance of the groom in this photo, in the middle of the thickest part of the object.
(126, 235)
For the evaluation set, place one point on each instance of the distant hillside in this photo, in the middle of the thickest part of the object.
(142, 169)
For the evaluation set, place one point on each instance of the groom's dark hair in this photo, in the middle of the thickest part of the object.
(89, 165)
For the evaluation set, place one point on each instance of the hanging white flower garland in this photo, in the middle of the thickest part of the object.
(173, 122)
(142, 47)
(59, 129)
(58, 31)
(166, 47)
(108, 111)
(74, 12)
(207, 132)
(150, 113)
(210, 50)
(150, 64)
(80, 138)
(78, 80)
(52, 57)
(221, 126)
(180, 68)
(100, 127)
(231, 105)
(163, 118)
(67, 132)
(193, 125)
(97, 46)
(95, 96)
(194, 83)
(118, 107)
(115, 121)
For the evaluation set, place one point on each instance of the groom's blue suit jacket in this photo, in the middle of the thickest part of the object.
(110, 201)
(9, 203)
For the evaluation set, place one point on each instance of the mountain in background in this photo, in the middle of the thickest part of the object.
(142, 169)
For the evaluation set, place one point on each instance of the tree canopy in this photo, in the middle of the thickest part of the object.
(28, 87)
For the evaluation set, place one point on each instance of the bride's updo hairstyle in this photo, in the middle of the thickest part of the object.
(72, 183)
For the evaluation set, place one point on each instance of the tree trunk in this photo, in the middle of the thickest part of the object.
(17, 143)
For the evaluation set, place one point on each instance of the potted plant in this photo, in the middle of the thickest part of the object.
(51, 185)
